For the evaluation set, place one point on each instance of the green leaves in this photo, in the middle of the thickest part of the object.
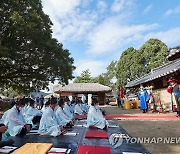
(136, 63)
(85, 77)
(125, 67)
(154, 53)
(29, 56)
(104, 78)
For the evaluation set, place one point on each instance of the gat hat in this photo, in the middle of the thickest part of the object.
(171, 79)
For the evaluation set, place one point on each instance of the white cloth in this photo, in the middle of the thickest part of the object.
(31, 113)
(5, 118)
(44, 108)
(67, 110)
(72, 107)
(78, 109)
(49, 124)
(15, 121)
(61, 117)
(85, 107)
(95, 118)
(24, 109)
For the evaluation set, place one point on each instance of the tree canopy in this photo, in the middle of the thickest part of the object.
(104, 78)
(125, 67)
(107, 77)
(29, 56)
(136, 63)
(152, 54)
(85, 77)
(9, 92)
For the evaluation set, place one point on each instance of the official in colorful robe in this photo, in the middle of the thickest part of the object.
(95, 117)
(49, 124)
(143, 97)
(120, 97)
(174, 89)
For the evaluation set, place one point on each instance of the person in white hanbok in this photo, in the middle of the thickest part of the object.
(67, 109)
(3, 129)
(85, 107)
(45, 106)
(16, 122)
(49, 124)
(26, 106)
(4, 118)
(7, 142)
(95, 117)
(24, 109)
(33, 115)
(72, 106)
(78, 108)
(61, 116)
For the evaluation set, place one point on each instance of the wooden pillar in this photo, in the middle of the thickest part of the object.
(101, 98)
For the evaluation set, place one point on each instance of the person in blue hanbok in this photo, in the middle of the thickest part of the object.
(16, 122)
(49, 124)
(67, 109)
(95, 117)
(143, 97)
(78, 108)
(61, 116)
(33, 115)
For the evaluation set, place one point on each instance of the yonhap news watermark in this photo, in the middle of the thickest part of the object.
(118, 139)
(156, 140)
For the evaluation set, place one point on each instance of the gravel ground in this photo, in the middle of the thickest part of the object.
(150, 128)
(116, 110)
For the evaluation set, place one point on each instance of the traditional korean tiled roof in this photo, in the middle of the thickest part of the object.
(174, 53)
(158, 72)
(83, 88)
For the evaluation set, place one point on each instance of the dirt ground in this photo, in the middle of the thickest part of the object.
(150, 128)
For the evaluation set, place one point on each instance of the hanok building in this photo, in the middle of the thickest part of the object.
(159, 76)
(75, 89)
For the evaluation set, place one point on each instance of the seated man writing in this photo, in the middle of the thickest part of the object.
(16, 122)
(78, 108)
(95, 117)
(85, 107)
(33, 115)
(45, 106)
(49, 124)
(9, 142)
(67, 109)
(61, 116)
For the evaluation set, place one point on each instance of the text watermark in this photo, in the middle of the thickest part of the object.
(117, 139)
